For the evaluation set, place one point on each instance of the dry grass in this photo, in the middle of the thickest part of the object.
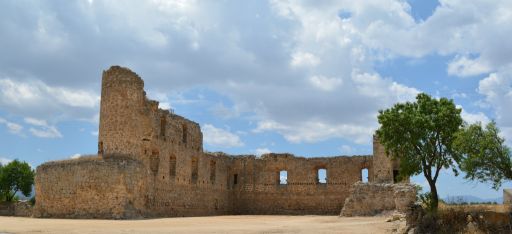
(485, 218)
(498, 208)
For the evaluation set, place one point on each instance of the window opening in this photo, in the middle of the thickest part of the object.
(321, 176)
(283, 177)
(364, 175)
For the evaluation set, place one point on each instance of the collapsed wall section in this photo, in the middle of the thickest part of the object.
(91, 188)
(368, 199)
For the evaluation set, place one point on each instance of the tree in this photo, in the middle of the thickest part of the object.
(16, 177)
(486, 158)
(421, 135)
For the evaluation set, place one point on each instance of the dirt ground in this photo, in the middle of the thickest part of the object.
(216, 224)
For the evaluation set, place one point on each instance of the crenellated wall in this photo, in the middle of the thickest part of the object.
(151, 163)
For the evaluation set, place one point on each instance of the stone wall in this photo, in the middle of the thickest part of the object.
(151, 163)
(20, 209)
(23, 209)
(259, 191)
(91, 187)
(368, 199)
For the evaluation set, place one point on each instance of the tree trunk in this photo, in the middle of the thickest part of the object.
(434, 199)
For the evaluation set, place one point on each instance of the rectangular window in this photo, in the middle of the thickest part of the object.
(235, 179)
(364, 175)
(321, 176)
(283, 177)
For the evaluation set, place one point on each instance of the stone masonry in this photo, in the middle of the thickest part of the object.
(368, 199)
(151, 163)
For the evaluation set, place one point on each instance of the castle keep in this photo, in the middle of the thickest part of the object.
(151, 163)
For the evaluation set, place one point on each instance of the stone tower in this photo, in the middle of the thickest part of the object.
(121, 113)
(385, 169)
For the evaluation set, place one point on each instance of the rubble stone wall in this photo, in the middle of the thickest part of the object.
(367, 199)
(259, 191)
(91, 187)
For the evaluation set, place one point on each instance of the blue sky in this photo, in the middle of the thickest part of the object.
(304, 77)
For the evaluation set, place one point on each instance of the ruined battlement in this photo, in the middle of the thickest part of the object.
(117, 75)
(151, 163)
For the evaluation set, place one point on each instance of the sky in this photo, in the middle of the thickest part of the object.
(304, 77)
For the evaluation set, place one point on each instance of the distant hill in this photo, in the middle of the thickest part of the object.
(471, 198)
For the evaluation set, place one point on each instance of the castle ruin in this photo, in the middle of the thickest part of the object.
(151, 163)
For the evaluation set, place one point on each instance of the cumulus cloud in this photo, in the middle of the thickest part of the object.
(261, 151)
(463, 67)
(497, 89)
(312, 132)
(219, 137)
(472, 118)
(40, 128)
(13, 128)
(300, 59)
(38, 99)
(325, 83)
(300, 69)
(75, 156)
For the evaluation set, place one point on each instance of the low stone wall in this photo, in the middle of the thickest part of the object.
(6, 209)
(21, 209)
(368, 199)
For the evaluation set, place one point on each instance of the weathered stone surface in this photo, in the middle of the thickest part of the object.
(151, 163)
(21, 209)
(373, 198)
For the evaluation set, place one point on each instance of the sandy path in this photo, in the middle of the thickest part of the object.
(216, 224)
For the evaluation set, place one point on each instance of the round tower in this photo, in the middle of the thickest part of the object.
(121, 108)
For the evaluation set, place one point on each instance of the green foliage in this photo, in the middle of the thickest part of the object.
(421, 135)
(486, 158)
(16, 177)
